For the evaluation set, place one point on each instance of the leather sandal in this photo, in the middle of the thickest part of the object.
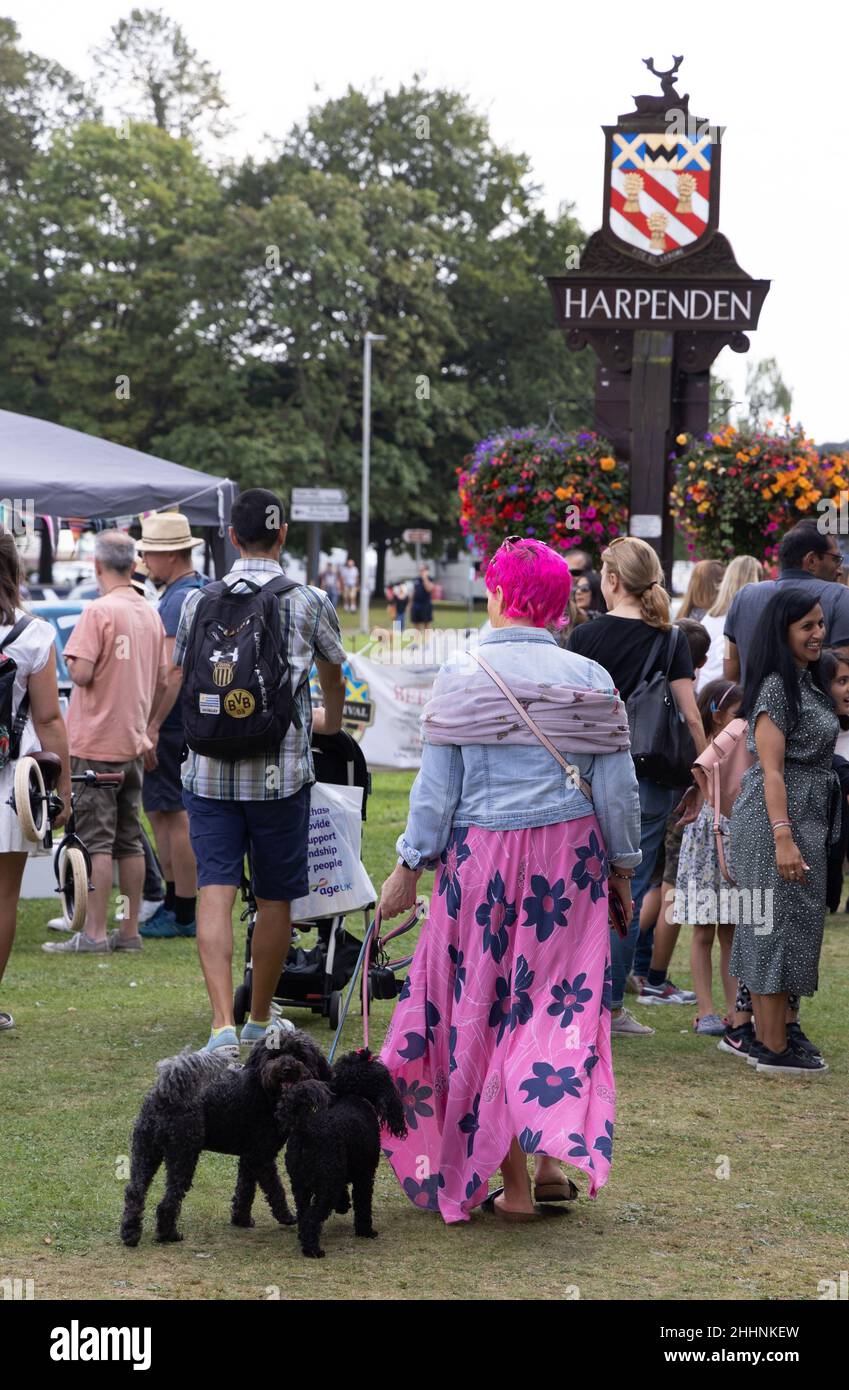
(488, 1205)
(563, 1191)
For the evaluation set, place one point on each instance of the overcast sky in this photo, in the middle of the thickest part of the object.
(549, 75)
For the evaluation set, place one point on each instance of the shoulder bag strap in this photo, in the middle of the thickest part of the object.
(674, 634)
(654, 653)
(533, 726)
(15, 630)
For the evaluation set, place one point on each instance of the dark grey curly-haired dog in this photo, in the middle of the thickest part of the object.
(202, 1102)
(334, 1140)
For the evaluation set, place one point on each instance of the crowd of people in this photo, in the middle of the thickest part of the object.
(565, 869)
(501, 1042)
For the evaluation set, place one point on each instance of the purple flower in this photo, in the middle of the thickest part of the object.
(414, 1098)
(512, 1006)
(424, 1194)
(591, 867)
(470, 1124)
(495, 916)
(453, 857)
(569, 999)
(459, 971)
(547, 1086)
(546, 907)
(604, 1142)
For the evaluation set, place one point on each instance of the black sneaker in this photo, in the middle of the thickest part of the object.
(737, 1041)
(791, 1062)
(755, 1052)
(796, 1038)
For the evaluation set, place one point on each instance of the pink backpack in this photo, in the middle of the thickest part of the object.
(719, 772)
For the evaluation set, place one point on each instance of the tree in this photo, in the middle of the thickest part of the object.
(160, 78)
(767, 395)
(452, 272)
(102, 336)
(37, 97)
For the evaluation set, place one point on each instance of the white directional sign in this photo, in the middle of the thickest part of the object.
(418, 537)
(319, 504)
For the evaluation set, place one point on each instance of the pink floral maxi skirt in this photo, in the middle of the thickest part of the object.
(502, 1028)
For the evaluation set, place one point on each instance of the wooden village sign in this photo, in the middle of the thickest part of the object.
(658, 293)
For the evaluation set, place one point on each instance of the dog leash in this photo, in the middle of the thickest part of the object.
(364, 962)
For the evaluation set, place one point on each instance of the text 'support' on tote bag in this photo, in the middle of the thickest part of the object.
(338, 879)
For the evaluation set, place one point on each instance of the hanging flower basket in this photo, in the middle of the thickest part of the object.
(737, 493)
(568, 491)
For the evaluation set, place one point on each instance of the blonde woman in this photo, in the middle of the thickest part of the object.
(621, 641)
(702, 589)
(743, 570)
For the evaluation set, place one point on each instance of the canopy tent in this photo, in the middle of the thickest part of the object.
(63, 474)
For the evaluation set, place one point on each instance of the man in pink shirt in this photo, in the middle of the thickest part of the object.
(116, 657)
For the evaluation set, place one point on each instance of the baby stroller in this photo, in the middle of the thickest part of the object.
(314, 977)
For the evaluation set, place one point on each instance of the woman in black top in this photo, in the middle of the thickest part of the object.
(621, 641)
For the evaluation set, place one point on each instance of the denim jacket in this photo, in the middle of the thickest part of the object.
(513, 786)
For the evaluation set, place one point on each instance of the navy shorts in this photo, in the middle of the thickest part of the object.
(162, 789)
(275, 832)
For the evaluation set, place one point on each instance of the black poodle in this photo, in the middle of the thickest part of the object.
(201, 1101)
(334, 1140)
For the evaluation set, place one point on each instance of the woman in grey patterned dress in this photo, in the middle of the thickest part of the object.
(781, 824)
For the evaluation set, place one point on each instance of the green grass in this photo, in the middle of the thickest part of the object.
(89, 1032)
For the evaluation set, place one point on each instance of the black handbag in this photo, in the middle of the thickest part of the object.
(662, 746)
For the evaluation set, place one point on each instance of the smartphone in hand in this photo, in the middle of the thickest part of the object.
(616, 915)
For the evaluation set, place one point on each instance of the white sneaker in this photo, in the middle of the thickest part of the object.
(149, 908)
(58, 924)
(626, 1023)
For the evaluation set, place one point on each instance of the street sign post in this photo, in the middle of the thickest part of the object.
(319, 504)
(417, 536)
(315, 505)
(657, 295)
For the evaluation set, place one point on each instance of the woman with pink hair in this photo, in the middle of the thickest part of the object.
(526, 805)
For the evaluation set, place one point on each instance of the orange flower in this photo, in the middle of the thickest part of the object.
(606, 463)
(681, 438)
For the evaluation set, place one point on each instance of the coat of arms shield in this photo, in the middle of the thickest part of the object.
(661, 198)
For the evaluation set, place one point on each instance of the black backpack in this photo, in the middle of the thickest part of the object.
(12, 722)
(237, 688)
(661, 744)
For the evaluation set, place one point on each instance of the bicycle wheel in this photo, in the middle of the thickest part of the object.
(30, 800)
(73, 883)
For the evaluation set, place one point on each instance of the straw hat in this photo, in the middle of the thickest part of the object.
(164, 531)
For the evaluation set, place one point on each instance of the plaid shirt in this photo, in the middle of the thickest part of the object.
(312, 630)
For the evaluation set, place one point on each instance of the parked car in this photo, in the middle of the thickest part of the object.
(63, 616)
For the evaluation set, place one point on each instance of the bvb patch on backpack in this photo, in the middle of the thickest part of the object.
(237, 690)
(12, 721)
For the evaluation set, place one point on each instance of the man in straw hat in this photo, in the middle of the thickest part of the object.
(166, 548)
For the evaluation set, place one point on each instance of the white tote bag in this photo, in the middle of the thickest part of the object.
(338, 879)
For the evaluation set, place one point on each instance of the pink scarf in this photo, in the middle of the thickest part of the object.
(576, 719)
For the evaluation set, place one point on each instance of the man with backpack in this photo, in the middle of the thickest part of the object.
(246, 646)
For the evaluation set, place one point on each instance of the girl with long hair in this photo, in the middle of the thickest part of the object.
(702, 590)
(743, 570)
(32, 648)
(783, 820)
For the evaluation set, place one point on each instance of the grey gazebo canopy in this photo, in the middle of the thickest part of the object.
(60, 472)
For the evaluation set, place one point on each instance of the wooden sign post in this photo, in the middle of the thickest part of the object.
(657, 295)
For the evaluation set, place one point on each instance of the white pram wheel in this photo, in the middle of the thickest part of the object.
(30, 800)
(73, 884)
